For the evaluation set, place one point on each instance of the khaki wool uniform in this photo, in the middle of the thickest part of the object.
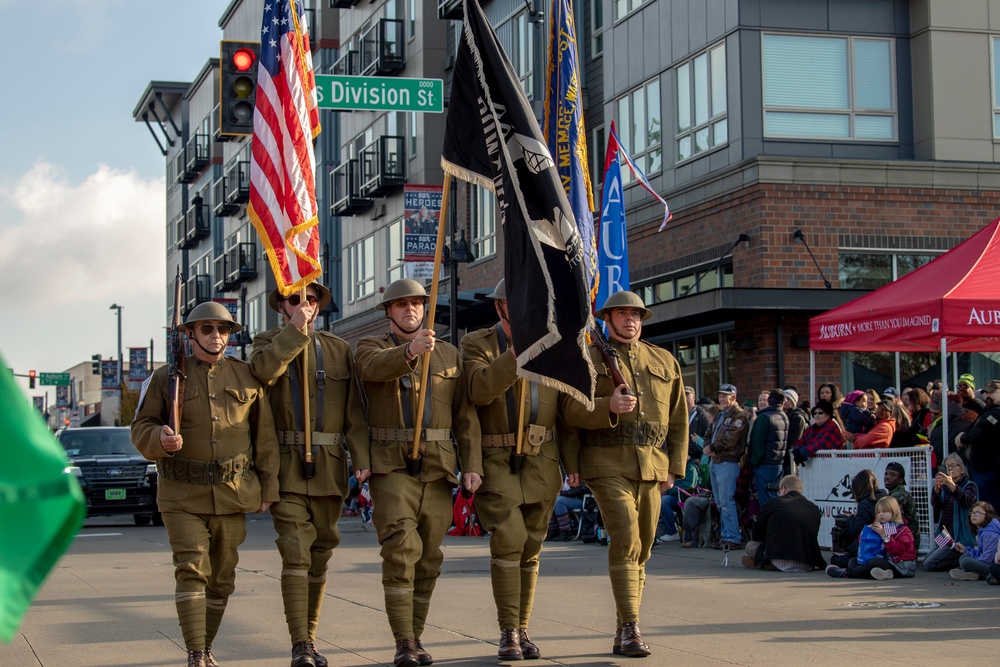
(625, 456)
(306, 516)
(412, 514)
(516, 509)
(227, 466)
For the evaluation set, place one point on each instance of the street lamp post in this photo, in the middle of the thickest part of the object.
(121, 364)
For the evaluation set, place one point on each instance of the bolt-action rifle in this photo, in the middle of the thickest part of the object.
(177, 362)
(610, 355)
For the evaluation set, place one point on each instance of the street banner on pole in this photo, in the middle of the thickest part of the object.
(421, 211)
(62, 397)
(41, 507)
(137, 367)
(612, 239)
(109, 375)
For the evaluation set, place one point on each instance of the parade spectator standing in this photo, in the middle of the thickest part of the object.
(975, 561)
(798, 422)
(981, 443)
(699, 423)
(830, 392)
(768, 441)
(881, 433)
(312, 495)
(785, 535)
(855, 414)
(959, 420)
(953, 496)
(413, 511)
(726, 449)
(514, 505)
(966, 389)
(222, 464)
(632, 443)
(894, 479)
(825, 432)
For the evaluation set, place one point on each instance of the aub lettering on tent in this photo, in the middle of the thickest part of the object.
(984, 317)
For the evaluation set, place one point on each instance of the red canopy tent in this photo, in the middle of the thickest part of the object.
(951, 304)
(953, 301)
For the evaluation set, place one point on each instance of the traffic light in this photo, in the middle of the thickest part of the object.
(238, 89)
(95, 364)
(31, 379)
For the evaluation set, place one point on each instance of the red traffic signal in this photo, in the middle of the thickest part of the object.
(243, 59)
(31, 379)
(237, 87)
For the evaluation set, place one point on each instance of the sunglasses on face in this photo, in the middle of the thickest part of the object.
(207, 329)
(818, 413)
(295, 299)
(977, 513)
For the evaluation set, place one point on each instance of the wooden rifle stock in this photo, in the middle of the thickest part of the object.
(176, 368)
(610, 355)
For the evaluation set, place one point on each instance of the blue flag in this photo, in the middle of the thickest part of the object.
(612, 251)
(565, 133)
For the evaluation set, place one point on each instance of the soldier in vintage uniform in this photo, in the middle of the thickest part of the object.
(222, 464)
(413, 512)
(514, 507)
(312, 493)
(633, 444)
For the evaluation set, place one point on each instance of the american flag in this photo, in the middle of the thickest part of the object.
(283, 165)
(943, 539)
(365, 493)
(890, 529)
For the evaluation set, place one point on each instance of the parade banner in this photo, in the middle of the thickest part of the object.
(826, 481)
(39, 402)
(62, 397)
(109, 375)
(137, 369)
(422, 211)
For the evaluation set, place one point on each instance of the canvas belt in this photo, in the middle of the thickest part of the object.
(509, 440)
(642, 434)
(180, 469)
(296, 382)
(406, 434)
(318, 438)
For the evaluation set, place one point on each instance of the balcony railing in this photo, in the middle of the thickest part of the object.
(217, 134)
(196, 154)
(382, 48)
(181, 174)
(177, 230)
(345, 184)
(347, 64)
(241, 260)
(237, 182)
(450, 9)
(197, 224)
(342, 4)
(219, 274)
(197, 289)
(382, 166)
(222, 208)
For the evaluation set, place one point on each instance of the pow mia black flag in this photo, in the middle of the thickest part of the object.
(492, 138)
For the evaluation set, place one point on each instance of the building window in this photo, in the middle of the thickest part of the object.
(702, 122)
(829, 88)
(597, 28)
(394, 245)
(871, 270)
(625, 7)
(522, 55)
(483, 222)
(639, 128)
(412, 127)
(411, 12)
(361, 269)
(688, 282)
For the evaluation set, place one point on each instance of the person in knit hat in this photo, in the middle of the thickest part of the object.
(966, 389)
(855, 414)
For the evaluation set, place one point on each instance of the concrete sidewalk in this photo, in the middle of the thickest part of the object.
(110, 602)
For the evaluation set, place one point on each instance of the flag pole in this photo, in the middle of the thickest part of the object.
(414, 462)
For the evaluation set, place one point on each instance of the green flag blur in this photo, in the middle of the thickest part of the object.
(41, 507)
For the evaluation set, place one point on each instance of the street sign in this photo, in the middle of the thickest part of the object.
(53, 379)
(369, 93)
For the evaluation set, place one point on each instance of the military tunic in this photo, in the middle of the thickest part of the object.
(515, 508)
(306, 516)
(412, 514)
(227, 466)
(624, 456)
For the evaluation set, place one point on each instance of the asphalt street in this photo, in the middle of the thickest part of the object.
(110, 602)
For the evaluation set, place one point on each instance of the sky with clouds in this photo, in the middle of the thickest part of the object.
(82, 210)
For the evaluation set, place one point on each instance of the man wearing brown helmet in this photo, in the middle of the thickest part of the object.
(222, 464)
(515, 506)
(635, 441)
(312, 491)
(413, 511)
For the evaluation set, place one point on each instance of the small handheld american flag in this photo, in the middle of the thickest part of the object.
(944, 540)
(890, 529)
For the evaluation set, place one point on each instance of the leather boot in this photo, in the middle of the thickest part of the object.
(631, 641)
(422, 655)
(528, 648)
(302, 655)
(510, 645)
(406, 653)
(209, 658)
(616, 647)
(320, 659)
(196, 658)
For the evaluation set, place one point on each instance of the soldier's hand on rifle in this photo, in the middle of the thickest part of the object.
(302, 315)
(362, 475)
(169, 441)
(621, 401)
(471, 481)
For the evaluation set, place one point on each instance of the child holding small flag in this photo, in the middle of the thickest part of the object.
(885, 548)
(974, 562)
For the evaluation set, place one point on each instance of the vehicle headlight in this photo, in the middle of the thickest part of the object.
(73, 470)
(151, 469)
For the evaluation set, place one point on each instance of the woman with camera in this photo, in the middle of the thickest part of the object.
(953, 496)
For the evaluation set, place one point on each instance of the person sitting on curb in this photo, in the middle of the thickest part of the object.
(885, 548)
(785, 533)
